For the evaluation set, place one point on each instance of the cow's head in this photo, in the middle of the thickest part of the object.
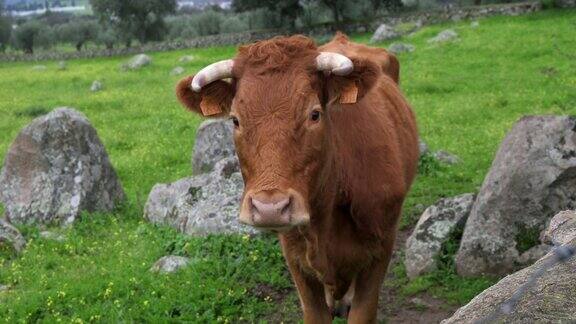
(277, 99)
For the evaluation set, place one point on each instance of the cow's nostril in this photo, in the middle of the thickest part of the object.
(271, 212)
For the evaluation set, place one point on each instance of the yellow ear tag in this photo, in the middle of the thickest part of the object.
(210, 106)
(349, 94)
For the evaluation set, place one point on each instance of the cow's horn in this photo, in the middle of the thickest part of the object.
(215, 71)
(335, 63)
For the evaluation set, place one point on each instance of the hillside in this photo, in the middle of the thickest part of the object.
(466, 95)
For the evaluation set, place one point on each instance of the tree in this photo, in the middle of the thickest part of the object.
(338, 8)
(78, 32)
(25, 36)
(5, 28)
(288, 9)
(135, 19)
(107, 37)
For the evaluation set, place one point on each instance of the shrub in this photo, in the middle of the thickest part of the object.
(233, 24)
(208, 23)
(181, 27)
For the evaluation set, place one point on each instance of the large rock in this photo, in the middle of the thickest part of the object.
(384, 32)
(433, 230)
(214, 142)
(203, 204)
(56, 168)
(10, 238)
(551, 300)
(532, 177)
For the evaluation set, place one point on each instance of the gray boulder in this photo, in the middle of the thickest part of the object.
(186, 59)
(56, 168)
(432, 230)
(203, 204)
(532, 178)
(384, 32)
(214, 142)
(562, 229)
(423, 147)
(550, 300)
(447, 35)
(446, 157)
(398, 48)
(170, 264)
(62, 66)
(96, 86)
(10, 238)
(177, 71)
(137, 62)
(52, 236)
(475, 24)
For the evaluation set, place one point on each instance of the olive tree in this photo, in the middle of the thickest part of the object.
(78, 32)
(5, 28)
(135, 19)
(25, 36)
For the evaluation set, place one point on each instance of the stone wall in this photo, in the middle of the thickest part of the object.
(422, 18)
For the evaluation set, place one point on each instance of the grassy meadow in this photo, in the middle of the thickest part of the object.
(467, 94)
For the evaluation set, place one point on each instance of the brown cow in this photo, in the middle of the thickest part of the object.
(328, 150)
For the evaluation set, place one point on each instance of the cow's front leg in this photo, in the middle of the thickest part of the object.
(365, 303)
(312, 297)
(310, 289)
(368, 282)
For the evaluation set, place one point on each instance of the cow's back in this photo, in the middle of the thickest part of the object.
(376, 139)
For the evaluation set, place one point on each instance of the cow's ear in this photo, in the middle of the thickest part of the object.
(353, 87)
(214, 100)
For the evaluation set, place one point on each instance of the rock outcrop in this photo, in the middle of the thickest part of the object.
(550, 300)
(56, 168)
(202, 204)
(434, 228)
(214, 142)
(10, 238)
(532, 178)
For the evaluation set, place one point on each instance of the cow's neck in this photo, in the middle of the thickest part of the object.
(322, 204)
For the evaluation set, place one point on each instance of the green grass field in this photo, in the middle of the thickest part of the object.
(467, 94)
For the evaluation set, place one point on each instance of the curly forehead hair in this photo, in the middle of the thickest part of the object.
(277, 54)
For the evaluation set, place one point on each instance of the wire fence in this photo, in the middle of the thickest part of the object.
(560, 254)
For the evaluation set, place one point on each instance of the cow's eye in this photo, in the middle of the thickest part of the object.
(315, 115)
(235, 121)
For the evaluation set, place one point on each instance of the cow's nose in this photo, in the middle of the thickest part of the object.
(271, 210)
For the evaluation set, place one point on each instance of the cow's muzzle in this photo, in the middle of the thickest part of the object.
(274, 210)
